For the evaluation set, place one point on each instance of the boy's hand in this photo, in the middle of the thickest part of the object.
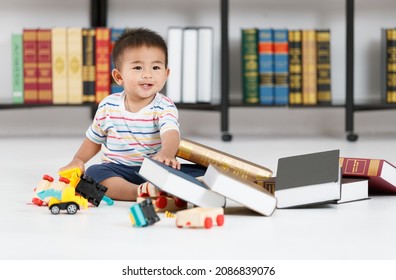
(170, 161)
(73, 164)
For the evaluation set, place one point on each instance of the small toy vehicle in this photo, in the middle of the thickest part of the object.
(200, 217)
(143, 214)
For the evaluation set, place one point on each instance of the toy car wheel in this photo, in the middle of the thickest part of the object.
(55, 209)
(72, 208)
(161, 202)
(208, 223)
(220, 220)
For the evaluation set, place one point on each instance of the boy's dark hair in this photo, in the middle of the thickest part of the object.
(135, 38)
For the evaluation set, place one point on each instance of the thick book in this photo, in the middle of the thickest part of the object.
(353, 189)
(309, 84)
(323, 66)
(75, 63)
(175, 54)
(44, 66)
(190, 65)
(281, 66)
(204, 155)
(308, 179)
(114, 36)
(59, 65)
(380, 173)
(240, 190)
(17, 68)
(180, 184)
(89, 64)
(266, 65)
(102, 56)
(388, 65)
(30, 70)
(250, 69)
(205, 64)
(295, 67)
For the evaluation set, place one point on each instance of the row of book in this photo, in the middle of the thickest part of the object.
(286, 67)
(302, 180)
(63, 65)
(388, 61)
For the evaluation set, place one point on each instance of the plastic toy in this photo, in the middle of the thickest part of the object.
(48, 183)
(143, 214)
(200, 217)
(92, 191)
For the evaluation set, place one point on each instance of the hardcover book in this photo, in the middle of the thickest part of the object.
(380, 173)
(205, 64)
(102, 55)
(30, 70)
(281, 67)
(323, 66)
(17, 68)
(179, 184)
(309, 85)
(115, 35)
(250, 74)
(295, 67)
(204, 155)
(75, 64)
(89, 64)
(240, 190)
(190, 65)
(388, 61)
(308, 179)
(266, 65)
(44, 64)
(353, 189)
(59, 66)
(175, 53)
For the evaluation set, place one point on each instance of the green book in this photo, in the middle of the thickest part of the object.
(250, 66)
(17, 69)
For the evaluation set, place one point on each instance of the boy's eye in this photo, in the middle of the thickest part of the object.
(156, 68)
(137, 68)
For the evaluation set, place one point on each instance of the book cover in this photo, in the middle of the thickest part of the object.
(115, 35)
(266, 65)
(175, 54)
(309, 85)
(240, 190)
(204, 155)
(17, 68)
(89, 64)
(281, 66)
(59, 65)
(205, 64)
(353, 189)
(380, 173)
(295, 67)
(323, 66)
(44, 64)
(267, 183)
(190, 65)
(179, 184)
(102, 55)
(30, 70)
(75, 64)
(250, 61)
(308, 179)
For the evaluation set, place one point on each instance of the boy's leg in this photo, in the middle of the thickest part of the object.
(120, 189)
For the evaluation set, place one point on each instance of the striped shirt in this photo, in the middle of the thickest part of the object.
(128, 137)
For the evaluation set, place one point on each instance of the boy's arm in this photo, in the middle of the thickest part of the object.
(170, 144)
(87, 150)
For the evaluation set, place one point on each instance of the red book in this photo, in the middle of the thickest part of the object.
(102, 83)
(44, 66)
(381, 173)
(30, 73)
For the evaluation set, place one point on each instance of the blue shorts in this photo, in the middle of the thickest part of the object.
(103, 171)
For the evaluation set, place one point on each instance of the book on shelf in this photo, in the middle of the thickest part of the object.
(353, 189)
(175, 53)
(89, 64)
(59, 65)
(388, 65)
(102, 56)
(190, 65)
(281, 66)
(180, 184)
(240, 190)
(75, 64)
(44, 66)
(30, 70)
(205, 64)
(266, 65)
(309, 85)
(380, 173)
(250, 61)
(17, 68)
(115, 34)
(308, 179)
(323, 66)
(295, 67)
(204, 155)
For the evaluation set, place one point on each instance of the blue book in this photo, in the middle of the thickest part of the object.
(281, 66)
(266, 65)
(115, 34)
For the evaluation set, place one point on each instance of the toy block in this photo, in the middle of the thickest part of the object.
(200, 217)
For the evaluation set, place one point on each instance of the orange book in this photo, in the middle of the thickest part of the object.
(102, 84)
(44, 66)
(30, 73)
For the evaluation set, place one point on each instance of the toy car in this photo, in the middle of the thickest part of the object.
(143, 214)
(200, 217)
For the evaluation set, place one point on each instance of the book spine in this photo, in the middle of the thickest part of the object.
(203, 155)
(74, 49)
(250, 74)
(309, 86)
(295, 67)
(17, 68)
(323, 66)
(115, 34)
(266, 65)
(391, 66)
(268, 184)
(190, 65)
(281, 66)
(30, 83)
(175, 50)
(205, 64)
(102, 84)
(44, 66)
(59, 65)
(88, 65)
(361, 167)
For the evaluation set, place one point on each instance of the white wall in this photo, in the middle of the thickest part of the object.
(371, 16)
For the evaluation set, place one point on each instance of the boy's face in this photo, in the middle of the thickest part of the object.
(142, 72)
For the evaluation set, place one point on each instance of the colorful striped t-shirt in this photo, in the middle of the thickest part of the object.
(128, 137)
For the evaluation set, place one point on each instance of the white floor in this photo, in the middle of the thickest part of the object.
(359, 230)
